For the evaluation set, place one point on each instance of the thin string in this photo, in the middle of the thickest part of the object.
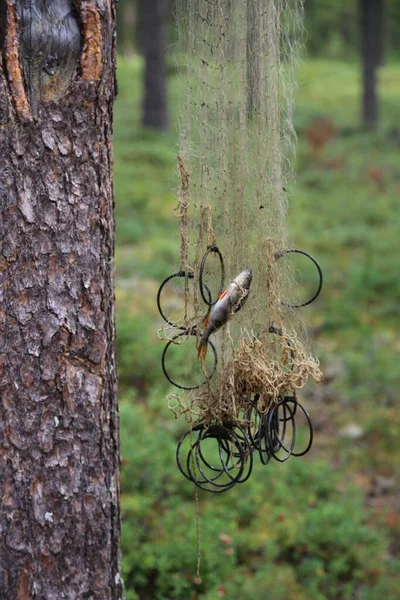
(198, 549)
(197, 579)
(183, 206)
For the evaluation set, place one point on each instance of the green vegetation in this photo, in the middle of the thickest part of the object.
(333, 28)
(325, 526)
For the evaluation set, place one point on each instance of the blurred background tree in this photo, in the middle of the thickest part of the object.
(126, 27)
(372, 13)
(152, 40)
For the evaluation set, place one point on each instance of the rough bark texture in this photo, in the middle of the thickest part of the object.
(371, 51)
(59, 446)
(152, 21)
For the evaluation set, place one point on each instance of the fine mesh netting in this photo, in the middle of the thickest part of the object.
(236, 152)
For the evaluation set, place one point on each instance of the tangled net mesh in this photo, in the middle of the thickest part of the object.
(235, 162)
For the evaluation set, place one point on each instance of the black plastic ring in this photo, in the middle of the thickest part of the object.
(263, 445)
(279, 255)
(199, 460)
(223, 433)
(160, 289)
(278, 429)
(294, 400)
(224, 468)
(164, 354)
(254, 418)
(208, 433)
(279, 438)
(309, 423)
(204, 484)
(215, 250)
(187, 473)
(267, 442)
(243, 445)
(177, 455)
(196, 465)
(217, 432)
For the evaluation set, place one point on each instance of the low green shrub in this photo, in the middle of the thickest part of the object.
(290, 527)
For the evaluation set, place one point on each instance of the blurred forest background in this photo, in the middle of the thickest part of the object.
(327, 526)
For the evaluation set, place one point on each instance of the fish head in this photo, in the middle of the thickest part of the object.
(244, 278)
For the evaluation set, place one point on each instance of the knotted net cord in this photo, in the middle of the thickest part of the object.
(236, 158)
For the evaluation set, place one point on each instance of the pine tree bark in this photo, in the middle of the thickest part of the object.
(152, 21)
(59, 445)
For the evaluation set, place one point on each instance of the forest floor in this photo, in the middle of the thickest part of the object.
(327, 526)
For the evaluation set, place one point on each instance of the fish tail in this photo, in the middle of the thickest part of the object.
(202, 349)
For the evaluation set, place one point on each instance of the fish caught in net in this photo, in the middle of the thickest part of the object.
(236, 347)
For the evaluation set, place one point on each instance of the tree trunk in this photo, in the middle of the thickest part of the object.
(126, 27)
(59, 445)
(371, 51)
(152, 16)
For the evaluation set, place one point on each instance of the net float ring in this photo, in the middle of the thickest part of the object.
(211, 250)
(208, 483)
(281, 253)
(268, 435)
(224, 434)
(254, 418)
(179, 274)
(195, 466)
(297, 404)
(173, 341)
(276, 431)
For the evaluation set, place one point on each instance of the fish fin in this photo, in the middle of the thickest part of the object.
(206, 321)
(202, 350)
(223, 294)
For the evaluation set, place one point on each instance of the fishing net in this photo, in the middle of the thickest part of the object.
(235, 163)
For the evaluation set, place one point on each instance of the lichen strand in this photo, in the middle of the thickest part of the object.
(92, 56)
(59, 447)
(11, 57)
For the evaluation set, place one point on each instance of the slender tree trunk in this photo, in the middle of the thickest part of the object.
(126, 27)
(371, 52)
(152, 20)
(59, 446)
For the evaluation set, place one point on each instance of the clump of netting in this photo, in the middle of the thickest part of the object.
(236, 349)
(252, 374)
(247, 404)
